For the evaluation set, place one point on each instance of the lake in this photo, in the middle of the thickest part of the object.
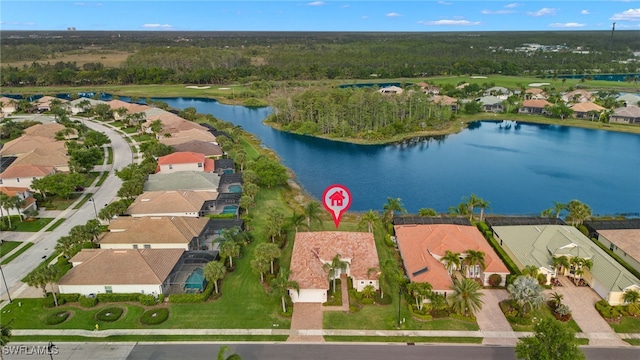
(519, 168)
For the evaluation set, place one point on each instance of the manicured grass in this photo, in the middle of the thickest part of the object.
(129, 130)
(149, 338)
(85, 198)
(117, 124)
(17, 253)
(7, 246)
(90, 178)
(252, 153)
(56, 224)
(405, 339)
(633, 342)
(539, 313)
(143, 137)
(62, 204)
(109, 155)
(32, 226)
(103, 177)
(627, 324)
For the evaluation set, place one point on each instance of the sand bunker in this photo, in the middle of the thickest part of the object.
(538, 84)
(197, 87)
(224, 88)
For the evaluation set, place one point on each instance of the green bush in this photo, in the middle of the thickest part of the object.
(110, 314)
(161, 298)
(114, 297)
(354, 309)
(495, 280)
(88, 302)
(50, 302)
(383, 300)
(366, 301)
(471, 318)
(154, 316)
(57, 317)
(192, 298)
(69, 297)
(147, 300)
(388, 241)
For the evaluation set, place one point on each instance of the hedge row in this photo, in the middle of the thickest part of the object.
(192, 298)
(488, 234)
(144, 299)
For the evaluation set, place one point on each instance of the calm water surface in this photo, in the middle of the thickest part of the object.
(520, 170)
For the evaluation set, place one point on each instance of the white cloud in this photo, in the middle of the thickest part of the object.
(496, 12)
(364, 17)
(344, 6)
(585, 12)
(393, 14)
(316, 3)
(512, 5)
(566, 25)
(18, 23)
(450, 22)
(444, 3)
(627, 15)
(543, 12)
(157, 26)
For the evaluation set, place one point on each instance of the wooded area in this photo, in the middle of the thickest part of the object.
(230, 57)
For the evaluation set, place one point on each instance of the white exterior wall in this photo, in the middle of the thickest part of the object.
(309, 295)
(141, 246)
(100, 289)
(185, 214)
(360, 284)
(171, 168)
(19, 182)
(635, 263)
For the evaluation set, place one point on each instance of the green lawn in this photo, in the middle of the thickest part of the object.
(61, 204)
(405, 339)
(90, 177)
(109, 155)
(16, 254)
(103, 177)
(117, 124)
(539, 313)
(627, 324)
(7, 246)
(56, 224)
(129, 130)
(149, 338)
(143, 137)
(32, 226)
(633, 342)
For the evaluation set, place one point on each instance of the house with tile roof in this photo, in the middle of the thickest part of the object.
(537, 245)
(209, 149)
(312, 250)
(587, 110)
(27, 143)
(171, 124)
(183, 180)
(422, 248)
(75, 108)
(445, 100)
(184, 161)
(622, 237)
(185, 136)
(158, 232)
(57, 158)
(7, 106)
(534, 107)
(44, 103)
(491, 104)
(29, 202)
(106, 271)
(578, 96)
(629, 114)
(22, 175)
(131, 108)
(48, 130)
(535, 94)
(500, 92)
(629, 99)
(172, 203)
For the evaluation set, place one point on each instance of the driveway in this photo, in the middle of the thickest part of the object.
(581, 301)
(491, 319)
(306, 323)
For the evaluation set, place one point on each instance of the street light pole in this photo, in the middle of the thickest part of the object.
(399, 300)
(94, 206)
(5, 285)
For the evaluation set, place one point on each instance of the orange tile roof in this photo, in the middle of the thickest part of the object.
(121, 267)
(444, 100)
(422, 245)
(535, 91)
(47, 130)
(131, 107)
(153, 230)
(12, 190)
(27, 143)
(26, 170)
(313, 249)
(167, 202)
(43, 157)
(586, 107)
(536, 103)
(183, 157)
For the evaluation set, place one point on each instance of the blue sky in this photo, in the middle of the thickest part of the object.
(328, 15)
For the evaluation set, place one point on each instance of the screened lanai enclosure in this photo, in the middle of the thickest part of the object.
(187, 276)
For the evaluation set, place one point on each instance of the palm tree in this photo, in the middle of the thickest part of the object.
(335, 267)
(250, 189)
(578, 212)
(368, 291)
(560, 262)
(420, 292)
(296, 220)
(393, 206)
(93, 229)
(240, 157)
(11, 202)
(50, 274)
(281, 284)
(427, 212)
(268, 251)
(5, 335)
(531, 271)
(466, 297)
(387, 272)
(451, 261)
(475, 258)
(556, 299)
(246, 202)
(260, 265)
(369, 218)
(631, 296)
(460, 210)
(526, 292)
(37, 278)
(312, 212)
(229, 249)
(67, 246)
(214, 271)
(483, 205)
(471, 202)
(222, 352)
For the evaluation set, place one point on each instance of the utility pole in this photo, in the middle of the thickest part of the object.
(5, 285)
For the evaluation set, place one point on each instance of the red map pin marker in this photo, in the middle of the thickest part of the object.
(336, 199)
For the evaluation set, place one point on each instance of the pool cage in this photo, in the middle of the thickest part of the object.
(187, 276)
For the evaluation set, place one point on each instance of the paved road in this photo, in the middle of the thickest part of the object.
(44, 243)
(327, 351)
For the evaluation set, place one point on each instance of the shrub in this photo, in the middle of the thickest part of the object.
(366, 301)
(50, 302)
(110, 314)
(114, 297)
(57, 317)
(633, 309)
(147, 300)
(354, 309)
(495, 280)
(161, 298)
(69, 297)
(154, 316)
(88, 302)
(192, 298)
(470, 318)
(563, 310)
(542, 279)
(383, 300)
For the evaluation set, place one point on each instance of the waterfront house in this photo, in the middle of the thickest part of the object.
(313, 250)
(491, 104)
(622, 237)
(500, 92)
(535, 94)
(629, 114)
(209, 149)
(182, 180)
(629, 99)
(534, 107)
(587, 110)
(578, 96)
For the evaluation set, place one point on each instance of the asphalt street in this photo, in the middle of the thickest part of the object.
(44, 244)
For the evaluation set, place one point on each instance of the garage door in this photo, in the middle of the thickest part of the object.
(600, 289)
